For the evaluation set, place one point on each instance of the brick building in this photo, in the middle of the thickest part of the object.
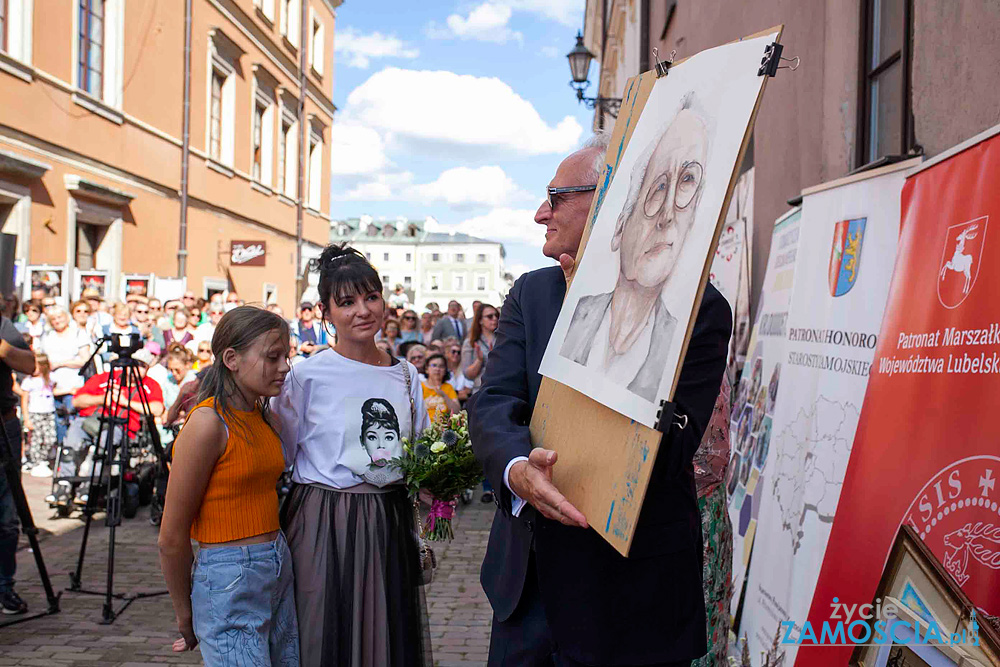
(93, 138)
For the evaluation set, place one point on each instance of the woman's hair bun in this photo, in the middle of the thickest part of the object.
(333, 253)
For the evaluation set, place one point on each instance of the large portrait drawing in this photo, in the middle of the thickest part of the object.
(626, 333)
(622, 327)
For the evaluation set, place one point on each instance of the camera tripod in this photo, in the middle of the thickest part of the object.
(12, 469)
(109, 462)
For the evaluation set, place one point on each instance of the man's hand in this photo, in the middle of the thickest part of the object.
(531, 480)
(307, 348)
(568, 265)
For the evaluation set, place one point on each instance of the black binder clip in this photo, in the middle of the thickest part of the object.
(660, 66)
(667, 416)
(771, 62)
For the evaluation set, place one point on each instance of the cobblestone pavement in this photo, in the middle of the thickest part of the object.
(459, 612)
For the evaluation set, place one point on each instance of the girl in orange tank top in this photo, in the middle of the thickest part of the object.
(238, 601)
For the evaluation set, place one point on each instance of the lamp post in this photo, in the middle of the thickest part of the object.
(579, 67)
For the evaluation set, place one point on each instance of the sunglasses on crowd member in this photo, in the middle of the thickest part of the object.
(204, 348)
(81, 309)
(409, 317)
(142, 311)
(492, 316)
(552, 194)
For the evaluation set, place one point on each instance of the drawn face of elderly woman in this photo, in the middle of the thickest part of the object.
(379, 430)
(654, 225)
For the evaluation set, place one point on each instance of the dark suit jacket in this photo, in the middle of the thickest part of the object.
(601, 608)
(446, 329)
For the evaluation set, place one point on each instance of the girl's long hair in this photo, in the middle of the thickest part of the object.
(44, 368)
(238, 329)
(477, 328)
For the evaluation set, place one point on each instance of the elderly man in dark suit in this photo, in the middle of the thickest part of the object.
(561, 595)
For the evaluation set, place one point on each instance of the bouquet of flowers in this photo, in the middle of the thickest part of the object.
(441, 463)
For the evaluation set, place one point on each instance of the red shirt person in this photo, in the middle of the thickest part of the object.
(89, 399)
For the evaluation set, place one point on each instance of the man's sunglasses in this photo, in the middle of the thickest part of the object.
(552, 194)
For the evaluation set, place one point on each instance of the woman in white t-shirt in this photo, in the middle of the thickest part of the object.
(68, 348)
(343, 414)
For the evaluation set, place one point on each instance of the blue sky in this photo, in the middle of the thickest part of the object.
(457, 110)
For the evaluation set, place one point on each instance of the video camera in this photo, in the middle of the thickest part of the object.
(124, 345)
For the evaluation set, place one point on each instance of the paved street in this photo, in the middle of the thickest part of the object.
(459, 611)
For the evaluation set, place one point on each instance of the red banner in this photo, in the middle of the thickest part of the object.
(927, 449)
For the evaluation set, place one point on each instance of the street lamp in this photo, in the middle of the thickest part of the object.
(579, 68)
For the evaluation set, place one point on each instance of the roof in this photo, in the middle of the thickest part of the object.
(357, 231)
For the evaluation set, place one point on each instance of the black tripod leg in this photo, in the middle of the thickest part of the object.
(13, 473)
(76, 578)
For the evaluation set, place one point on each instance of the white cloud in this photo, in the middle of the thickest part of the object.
(485, 23)
(463, 186)
(567, 12)
(459, 110)
(383, 187)
(360, 48)
(356, 149)
(549, 51)
(459, 187)
(505, 225)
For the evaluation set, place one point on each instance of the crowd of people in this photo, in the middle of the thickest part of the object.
(448, 349)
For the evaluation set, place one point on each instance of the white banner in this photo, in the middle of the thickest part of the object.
(731, 268)
(758, 387)
(847, 248)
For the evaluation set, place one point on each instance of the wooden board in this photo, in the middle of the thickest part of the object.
(605, 458)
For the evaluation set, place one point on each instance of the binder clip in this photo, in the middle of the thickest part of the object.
(771, 62)
(660, 66)
(668, 416)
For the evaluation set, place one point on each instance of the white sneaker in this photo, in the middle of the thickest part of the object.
(41, 470)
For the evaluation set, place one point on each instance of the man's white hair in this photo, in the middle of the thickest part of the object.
(600, 142)
(689, 102)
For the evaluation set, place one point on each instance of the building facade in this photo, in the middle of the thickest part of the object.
(878, 80)
(431, 266)
(93, 139)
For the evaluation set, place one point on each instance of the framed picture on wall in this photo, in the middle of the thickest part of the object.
(44, 280)
(91, 280)
(137, 284)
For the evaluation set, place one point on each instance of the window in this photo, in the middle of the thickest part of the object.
(266, 7)
(90, 47)
(88, 241)
(262, 135)
(291, 15)
(458, 282)
(481, 258)
(215, 120)
(4, 23)
(385, 257)
(314, 177)
(481, 283)
(385, 280)
(316, 43)
(288, 149)
(407, 281)
(15, 35)
(435, 257)
(368, 256)
(460, 257)
(435, 279)
(885, 115)
(221, 112)
(409, 257)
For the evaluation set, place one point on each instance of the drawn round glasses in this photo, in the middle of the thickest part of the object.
(552, 194)
(688, 181)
